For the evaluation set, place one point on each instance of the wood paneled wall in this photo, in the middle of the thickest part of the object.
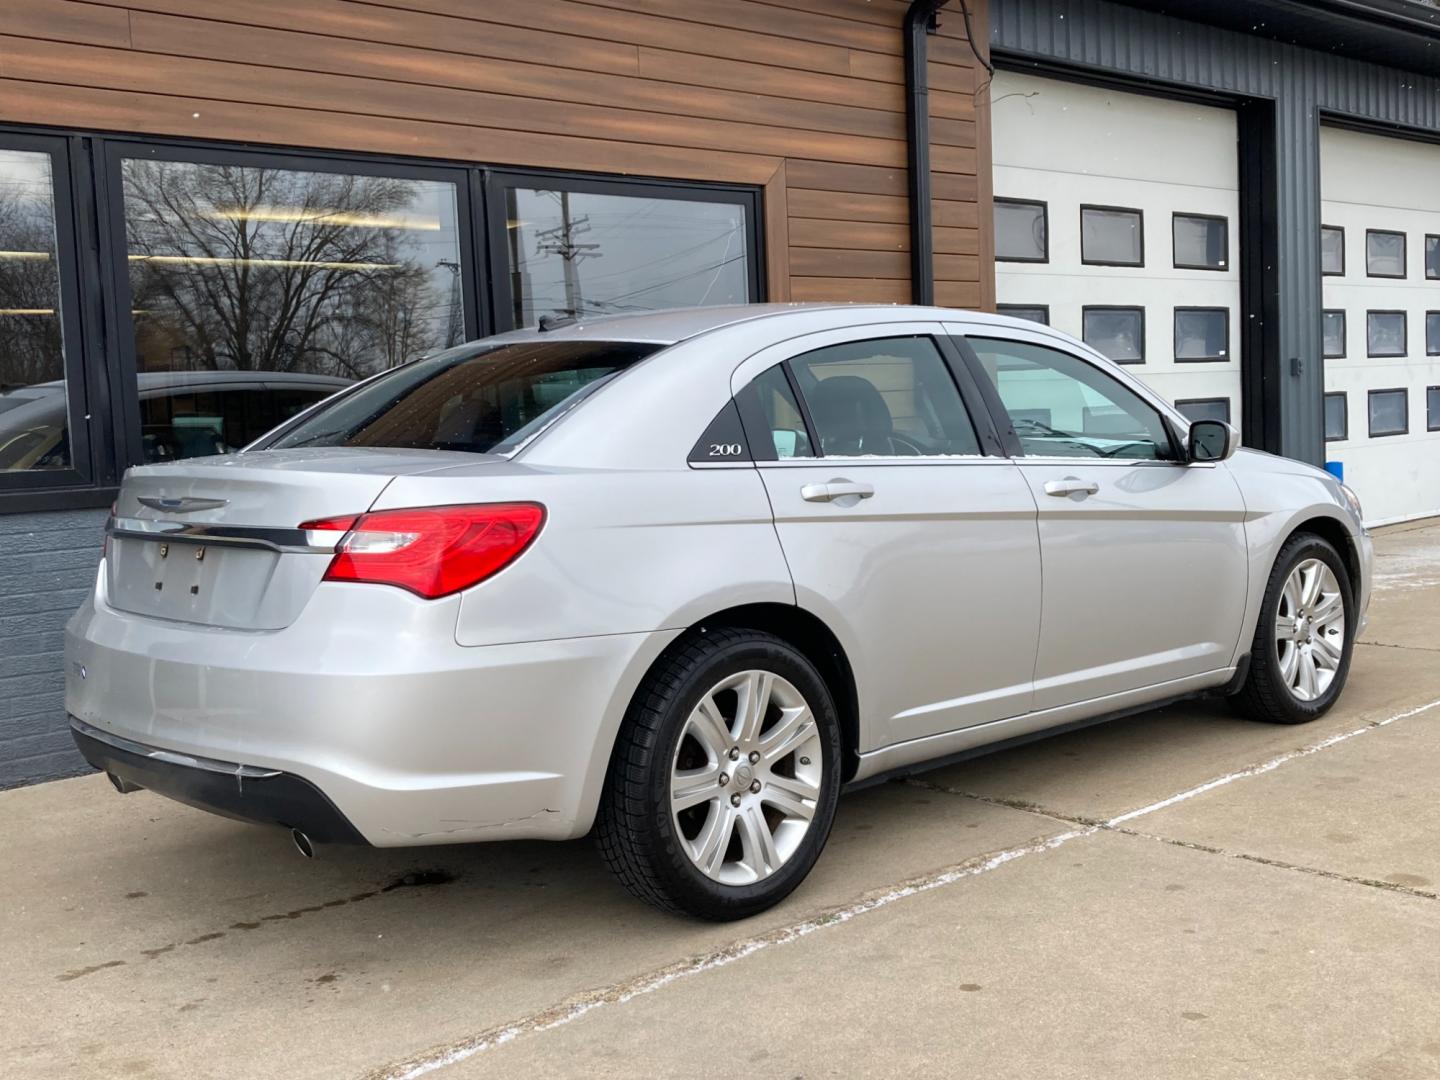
(805, 97)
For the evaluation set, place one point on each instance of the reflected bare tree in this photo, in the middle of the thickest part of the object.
(239, 268)
(29, 293)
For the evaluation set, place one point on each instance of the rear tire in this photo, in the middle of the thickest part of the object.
(1300, 656)
(724, 778)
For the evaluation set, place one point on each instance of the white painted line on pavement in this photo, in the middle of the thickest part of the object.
(647, 984)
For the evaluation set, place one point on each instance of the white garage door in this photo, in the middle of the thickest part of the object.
(1380, 253)
(1117, 220)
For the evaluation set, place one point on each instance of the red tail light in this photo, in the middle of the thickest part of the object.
(432, 551)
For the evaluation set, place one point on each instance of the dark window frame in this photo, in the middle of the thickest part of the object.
(1344, 415)
(1010, 309)
(1334, 273)
(1428, 237)
(1137, 211)
(99, 348)
(1404, 253)
(1014, 200)
(1175, 330)
(1405, 319)
(1404, 391)
(1432, 422)
(1429, 351)
(1229, 411)
(1116, 307)
(1344, 331)
(1175, 260)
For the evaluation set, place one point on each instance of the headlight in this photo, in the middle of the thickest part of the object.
(1354, 501)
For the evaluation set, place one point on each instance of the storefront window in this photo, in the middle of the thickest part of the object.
(281, 286)
(579, 254)
(34, 427)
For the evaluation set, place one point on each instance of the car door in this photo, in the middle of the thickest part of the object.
(1144, 554)
(914, 544)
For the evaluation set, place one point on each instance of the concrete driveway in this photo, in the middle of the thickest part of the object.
(1177, 894)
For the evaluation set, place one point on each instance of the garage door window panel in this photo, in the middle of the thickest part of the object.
(1337, 417)
(1432, 333)
(1432, 257)
(1385, 333)
(1332, 251)
(1389, 412)
(1112, 236)
(1384, 253)
(1201, 241)
(1116, 332)
(1432, 408)
(888, 397)
(1332, 324)
(1022, 231)
(1036, 313)
(1204, 408)
(1063, 406)
(1202, 335)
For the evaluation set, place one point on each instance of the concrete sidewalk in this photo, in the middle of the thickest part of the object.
(1176, 894)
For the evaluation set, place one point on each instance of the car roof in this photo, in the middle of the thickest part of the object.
(674, 325)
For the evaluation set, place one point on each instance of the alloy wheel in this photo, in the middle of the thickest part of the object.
(745, 782)
(1310, 629)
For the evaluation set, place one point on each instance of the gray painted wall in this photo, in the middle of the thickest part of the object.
(47, 564)
(1115, 41)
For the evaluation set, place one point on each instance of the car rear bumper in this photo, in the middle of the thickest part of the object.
(368, 700)
(249, 793)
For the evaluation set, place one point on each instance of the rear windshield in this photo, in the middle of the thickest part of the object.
(485, 400)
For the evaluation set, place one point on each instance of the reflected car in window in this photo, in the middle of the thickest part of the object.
(678, 578)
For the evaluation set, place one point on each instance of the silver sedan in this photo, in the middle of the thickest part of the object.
(679, 578)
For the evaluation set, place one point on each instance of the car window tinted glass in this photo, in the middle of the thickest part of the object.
(889, 397)
(581, 254)
(199, 414)
(1020, 230)
(782, 415)
(33, 415)
(1062, 406)
(479, 400)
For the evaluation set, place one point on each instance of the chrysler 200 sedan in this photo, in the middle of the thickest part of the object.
(677, 578)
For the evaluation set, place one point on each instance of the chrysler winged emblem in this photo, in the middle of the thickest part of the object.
(180, 504)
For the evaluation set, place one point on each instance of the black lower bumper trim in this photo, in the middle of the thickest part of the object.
(243, 793)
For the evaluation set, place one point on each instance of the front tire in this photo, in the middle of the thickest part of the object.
(724, 778)
(1300, 656)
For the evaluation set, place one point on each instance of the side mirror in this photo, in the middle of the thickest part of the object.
(1212, 440)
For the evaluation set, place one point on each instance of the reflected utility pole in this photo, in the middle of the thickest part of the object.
(561, 241)
(455, 323)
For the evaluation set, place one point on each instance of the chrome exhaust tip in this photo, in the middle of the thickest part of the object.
(302, 843)
(124, 787)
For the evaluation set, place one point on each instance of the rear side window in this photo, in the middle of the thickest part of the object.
(887, 397)
(481, 400)
(1061, 406)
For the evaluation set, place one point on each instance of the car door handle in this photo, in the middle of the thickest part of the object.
(1071, 485)
(836, 489)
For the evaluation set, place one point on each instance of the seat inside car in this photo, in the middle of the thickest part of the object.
(851, 417)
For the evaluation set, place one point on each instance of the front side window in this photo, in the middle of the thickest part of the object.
(1332, 250)
(243, 271)
(1337, 418)
(34, 412)
(1333, 333)
(1385, 333)
(1062, 406)
(1202, 334)
(1111, 236)
(1118, 333)
(1021, 231)
(1384, 253)
(581, 253)
(887, 397)
(1389, 412)
(488, 399)
(1201, 242)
